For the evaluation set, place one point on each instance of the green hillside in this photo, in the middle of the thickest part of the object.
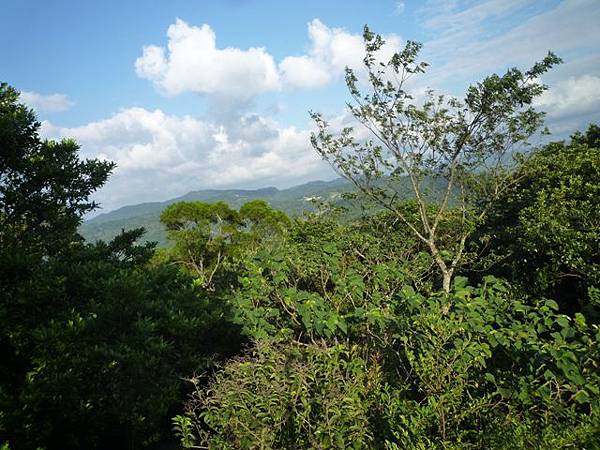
(293, 201)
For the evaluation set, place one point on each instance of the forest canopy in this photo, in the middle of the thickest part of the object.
(464, 318)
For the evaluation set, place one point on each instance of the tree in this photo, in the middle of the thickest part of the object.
(44, 192)
(463, 142)
(201, 232)
(288, 396)
(549, 219)
(261, 220)
(44, 185)
(93, 339)
(104, 340)
(207, 235)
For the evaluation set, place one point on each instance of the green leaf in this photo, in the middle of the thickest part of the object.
(563, 321)
(551, 304)
(581, 397)
(489, 377)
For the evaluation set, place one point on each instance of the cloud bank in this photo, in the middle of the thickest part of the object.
(160, 156)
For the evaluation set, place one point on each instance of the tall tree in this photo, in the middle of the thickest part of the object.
(201, 233)
(207, 235)
(464, 142)
(93, 339)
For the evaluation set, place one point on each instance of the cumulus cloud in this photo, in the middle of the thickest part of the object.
(193, 63)
(160, 156)
(331, 50)
(46, 103)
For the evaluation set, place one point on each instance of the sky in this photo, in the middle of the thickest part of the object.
(198, 94)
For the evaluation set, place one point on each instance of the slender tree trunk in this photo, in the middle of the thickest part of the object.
(446, 270)
(447, 278)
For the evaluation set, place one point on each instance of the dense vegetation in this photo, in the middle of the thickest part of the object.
(94, 337)
(463, 319)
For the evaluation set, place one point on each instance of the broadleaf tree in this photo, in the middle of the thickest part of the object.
(464, 143)
(201, 232)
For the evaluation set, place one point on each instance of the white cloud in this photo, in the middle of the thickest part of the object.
(193, 63)
(161, 156)
(305, 72)
(572, 103)
(331, 50)
(399, 8)
(46, 103)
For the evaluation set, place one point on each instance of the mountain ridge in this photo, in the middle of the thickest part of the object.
(291, 200)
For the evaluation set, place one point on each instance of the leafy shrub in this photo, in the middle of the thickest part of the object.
(474, 369)
(327, 280)
(103, 342)
(292, 396)
(484, 370)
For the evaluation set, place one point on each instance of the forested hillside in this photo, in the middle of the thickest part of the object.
(294, 201)
(460, 314)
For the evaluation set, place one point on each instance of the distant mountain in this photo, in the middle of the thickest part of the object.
(293, 201)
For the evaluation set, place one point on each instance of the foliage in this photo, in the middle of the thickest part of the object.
(260, 221)
(201, 232)
(549, 221)
(93, 340)
(290, 397)
(105, 354)
(182, 427)
(328, 280)
(484, 370)
(476, 369)
(44, 186)
(206, 236)
(442, 138)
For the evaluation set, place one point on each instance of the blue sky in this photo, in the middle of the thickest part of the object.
(187, 95)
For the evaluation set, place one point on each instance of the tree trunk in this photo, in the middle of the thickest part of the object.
(447, 278)
(447, 271)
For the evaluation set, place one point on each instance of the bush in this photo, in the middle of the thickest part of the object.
(103, 343)
(293, 396)
(474, 369)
